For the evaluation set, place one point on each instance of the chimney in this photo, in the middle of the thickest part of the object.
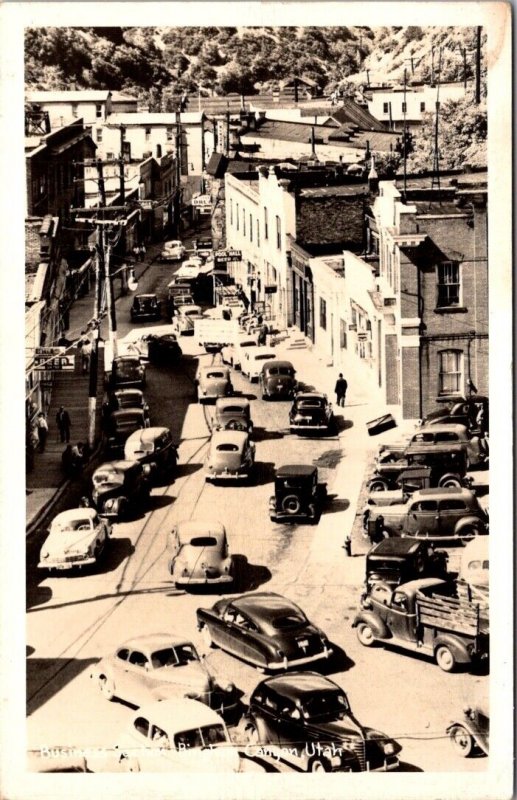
(373, 178)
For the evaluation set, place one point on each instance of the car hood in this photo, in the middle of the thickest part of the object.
(63, 543)
(348, 728)
(191, 679)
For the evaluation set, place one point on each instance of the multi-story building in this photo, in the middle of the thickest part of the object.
(391, 104)
(65, 106)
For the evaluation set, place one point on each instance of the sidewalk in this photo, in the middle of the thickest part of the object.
(46, 481)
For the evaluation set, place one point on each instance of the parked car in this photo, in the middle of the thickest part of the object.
(185, 317)
(200, 554)
(213, 382)
(179, 296)
(121, 424)
(311, 412)
(232, 414)
(395, 561)
(164, 349)
(119, 489)
(253, 361)
(154, 448)
(304, 719)
(277, 379)
(451, 434)
(145, 307)
(469, 734)
(77, 538)
(298, 494)
(430, 514)
(265, 629)
(173, 250)
(126, 371)
(461, 412)
(157, 666)
(430, 465)
(233, 354)
(126, 398)
(177, 735)
(231, 456)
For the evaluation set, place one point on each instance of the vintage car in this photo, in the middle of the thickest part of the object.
(396, 561)
(430, 514)
(145, 307)
(76, 538)
(451, 434)
(126, 371)
(179, 295)
(172, 251)
(212, 382)
(254, 359)
(304, 719)
(200, 554)
(231, 456)
(163, 349)
(185, 317)
(277, 379)
(119, 488)
(298, 494)
(432, 465)
(154, 448)
(177, 735)
(460, 412)
(265, 629)
(232, 414)
(126, 398)
(470, 733)
(121, 424)
(157, 666)
(311, 412)
(233, 354)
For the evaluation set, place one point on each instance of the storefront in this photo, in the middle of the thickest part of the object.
(303, 291)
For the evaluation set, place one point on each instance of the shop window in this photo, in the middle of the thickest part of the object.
(422, 107)
(385, 108)
(448, 284)
(323, 314)
(451, 371)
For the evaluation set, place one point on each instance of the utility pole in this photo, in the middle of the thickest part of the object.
(405, 135)
(100, 182)
(94, 357)
(122, 189)
(436, 154)
(478, 65)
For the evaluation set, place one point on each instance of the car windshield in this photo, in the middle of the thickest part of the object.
(200, 737)
(233, 410)
(192, 312)
(109, 476)
(227, 447)
(326, 705)
(281, 371)
(264, 357)
(74, 525)
(293, 619)
(125, 368)
(302, 404)
(248, 343)
(140, 448)
(146, 302)
(215, 375)
(203, 541)
(174, 656)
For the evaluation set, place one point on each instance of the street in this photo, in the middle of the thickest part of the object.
(74, 620)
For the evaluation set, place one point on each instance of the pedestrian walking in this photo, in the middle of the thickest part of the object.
(340, 389)
(42, 431)
(86, 352)
(64, 424)
(262, 337)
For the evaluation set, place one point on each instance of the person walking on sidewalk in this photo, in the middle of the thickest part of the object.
(64, 424)
(42, 425)
(340, 389)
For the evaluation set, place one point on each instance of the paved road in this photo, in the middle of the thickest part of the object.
(72, 621)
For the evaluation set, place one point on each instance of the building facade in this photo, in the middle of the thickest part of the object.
(392, 104)
(64, 107)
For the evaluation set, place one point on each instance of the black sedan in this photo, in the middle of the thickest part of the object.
(311, 412)
(145, 307)
(304, 719)
(163, 349)
(265, 629)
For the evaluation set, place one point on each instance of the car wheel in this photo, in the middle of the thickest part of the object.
(207, 636)
(291, 504)
(107, 687)
(365, 634)
(445, 659)
(467, 533)
(317, 765)
(378, 486)
(449, 481)
(461, 740)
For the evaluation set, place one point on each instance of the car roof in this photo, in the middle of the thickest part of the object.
(127, 357)
(260, 351)
(438, 491)
(253, 604)
(218, 367)
(446, 428)
(310, 396)
(178, 714)
(436, 447)
(277, 363)
(295, 685)
(394, 546)
(72, 514)
(420, 472)
(144, 296)
(146, 434)
(295, 470)
(196, 527)
(119, 465)
(225, 402)
(232, 437)
(154, 640)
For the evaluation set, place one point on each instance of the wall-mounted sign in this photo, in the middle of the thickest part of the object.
(224, 256)
(271, 288)
(203, 202)
(51, 359)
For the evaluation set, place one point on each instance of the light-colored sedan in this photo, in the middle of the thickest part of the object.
(158, 666)
(231, 456)
(184, 318)
(254, 359)
(199, 554)
(234, 353)
(177, 736)
(213, 382)
(76, 538)
(173, 250)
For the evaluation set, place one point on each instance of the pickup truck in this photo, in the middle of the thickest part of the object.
(425, 617)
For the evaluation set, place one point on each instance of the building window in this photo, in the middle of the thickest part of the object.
(385, 108)
(98, 110)
(244, 222)
(342, 334)
(278, 233)
(98, 135)
(251, 228)
(323, 314)
(451, 367)
(75, 110)
(422, 106)
(404, 108)
(237, 214)
(448, 278)
(147, 134)
(170, 134)
(258, 232)
(266, 231)
(231, 212)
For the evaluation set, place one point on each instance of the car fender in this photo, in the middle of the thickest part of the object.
(377, 625)
(456, 645)
(471, 519)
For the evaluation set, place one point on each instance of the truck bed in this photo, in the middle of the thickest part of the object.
(451, 614)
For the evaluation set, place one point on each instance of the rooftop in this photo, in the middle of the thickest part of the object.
(302, 132)
(148, 118)
(85, 96)
(343, 190)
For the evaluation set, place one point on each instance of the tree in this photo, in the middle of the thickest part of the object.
(235, 78)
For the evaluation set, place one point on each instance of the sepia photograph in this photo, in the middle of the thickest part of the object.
(267, 305)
